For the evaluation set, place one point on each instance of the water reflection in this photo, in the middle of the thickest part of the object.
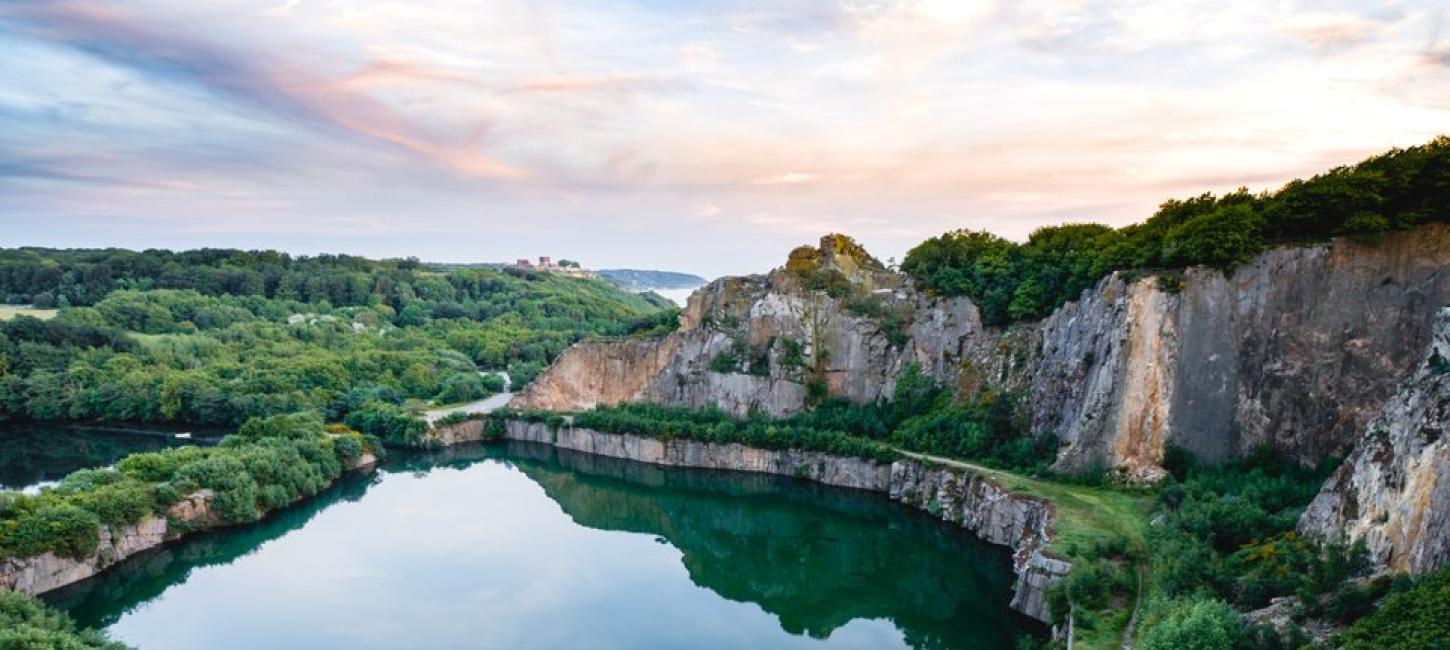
(519, 545)
(34, 455)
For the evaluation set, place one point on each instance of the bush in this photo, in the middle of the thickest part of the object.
(61, 528)
(348, 448)
(1191, 624)
(26, 624)
(392, 424)
(1414, 619)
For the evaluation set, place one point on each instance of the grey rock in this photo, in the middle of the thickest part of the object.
(1393, 492)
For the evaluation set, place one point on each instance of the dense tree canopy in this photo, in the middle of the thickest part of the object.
(215, 356)
(1393, 191)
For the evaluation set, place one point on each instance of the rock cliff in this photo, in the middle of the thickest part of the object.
(41, 573)
(1295, 350)
(833, 314)
(1393, 493)
(993, 514)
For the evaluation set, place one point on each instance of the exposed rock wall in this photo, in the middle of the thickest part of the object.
(777, 332)
(38, 574)
(41, 573)
(1394, 491)
(1295, 350)
(984, 508)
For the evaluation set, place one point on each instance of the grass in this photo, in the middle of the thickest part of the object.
(1088, 517)
(8, 312)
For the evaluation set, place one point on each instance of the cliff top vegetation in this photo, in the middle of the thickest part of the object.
(1396, 190)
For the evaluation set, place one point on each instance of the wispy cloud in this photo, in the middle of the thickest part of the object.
(727, 130)
(119, 37)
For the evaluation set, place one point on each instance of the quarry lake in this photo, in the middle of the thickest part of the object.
(519, 545)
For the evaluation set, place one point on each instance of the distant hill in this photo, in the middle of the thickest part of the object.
(641, 280)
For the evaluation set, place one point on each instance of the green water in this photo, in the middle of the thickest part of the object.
(520, 546)
(33, 455)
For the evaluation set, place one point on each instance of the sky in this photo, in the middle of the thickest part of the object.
(709, 137)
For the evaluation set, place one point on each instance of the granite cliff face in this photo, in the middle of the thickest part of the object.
(1394, 491)
(993, 514)
(1295, 350)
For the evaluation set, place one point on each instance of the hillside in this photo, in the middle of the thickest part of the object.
(644, 280)
(217, 337)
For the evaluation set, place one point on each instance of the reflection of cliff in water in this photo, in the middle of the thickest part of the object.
(814, 556)
(141, 578)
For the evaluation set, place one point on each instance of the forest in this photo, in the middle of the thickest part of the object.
(1396, 190)
(224, 337)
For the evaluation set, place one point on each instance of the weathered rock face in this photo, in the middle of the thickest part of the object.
(1394, 491)
(1295, 350)
(987, 510)
(994, 515)
(41, 573)
(751, 342)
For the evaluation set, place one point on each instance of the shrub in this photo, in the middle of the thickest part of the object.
(348, 448)
(26, 624)
(1414, 619)
(1191, 624)
(62, 528)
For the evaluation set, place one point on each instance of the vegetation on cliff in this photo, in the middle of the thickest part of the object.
(1396, 190)
(714, 425)
(269, 463)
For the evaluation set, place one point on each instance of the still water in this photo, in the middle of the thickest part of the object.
(523, 546)
(33, 456)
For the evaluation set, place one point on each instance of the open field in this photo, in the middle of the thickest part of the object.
(8, 312)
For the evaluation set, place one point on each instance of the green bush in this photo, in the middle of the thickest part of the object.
(1414, 619)
(1192, 624)
(26, 624)
(62, 528)
(348, 448)
(393, 424)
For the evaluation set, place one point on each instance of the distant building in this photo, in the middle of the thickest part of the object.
(546, 264)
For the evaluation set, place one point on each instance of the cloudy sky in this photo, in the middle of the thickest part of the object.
(700, 136)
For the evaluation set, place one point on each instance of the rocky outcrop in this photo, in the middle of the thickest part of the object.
(458, 432)
(752, 343)
(1393, 493)
(1021, 523)
(1295, 350)
(41, 573)
(38, 574)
